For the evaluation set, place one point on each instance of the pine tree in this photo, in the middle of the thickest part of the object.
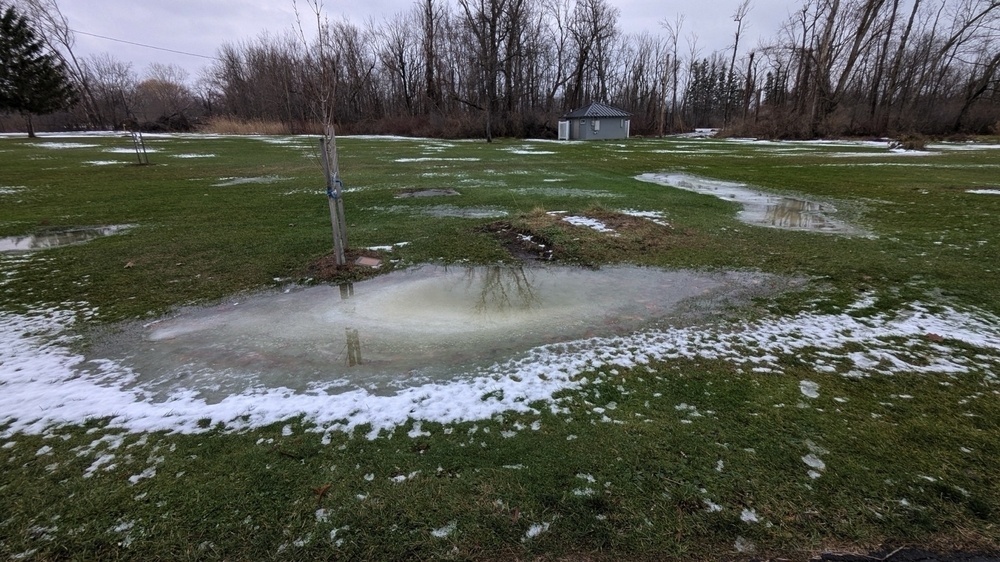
(33, 81)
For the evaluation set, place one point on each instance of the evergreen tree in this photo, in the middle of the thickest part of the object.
(33, 81)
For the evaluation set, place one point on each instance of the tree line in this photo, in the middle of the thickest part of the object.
(485, 68)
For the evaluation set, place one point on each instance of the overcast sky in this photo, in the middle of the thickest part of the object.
(202, 26)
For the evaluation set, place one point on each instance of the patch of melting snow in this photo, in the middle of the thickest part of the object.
(984, 191)
(526, 150)
(62, 145)
(963, 146)
(814, 461)
(655, 217)
(123, 150)
(387, 248)
(749, 516)
(11, 189)
(435, 159)
(104, 162)
(586, 222)
(192, 155)
(446, 530)
(809, 389)
(536, 529)
(759, 207)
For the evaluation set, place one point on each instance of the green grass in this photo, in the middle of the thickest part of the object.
(632, 480)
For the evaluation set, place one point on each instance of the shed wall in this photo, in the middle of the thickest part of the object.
(606, 128)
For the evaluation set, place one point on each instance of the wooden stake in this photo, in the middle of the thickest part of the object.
(333, 192)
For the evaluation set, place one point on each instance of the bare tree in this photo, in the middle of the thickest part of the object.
(60, 38)
(738, 16)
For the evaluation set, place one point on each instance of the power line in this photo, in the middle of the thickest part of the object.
(144, 45)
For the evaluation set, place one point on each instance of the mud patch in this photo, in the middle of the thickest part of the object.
(521, 243)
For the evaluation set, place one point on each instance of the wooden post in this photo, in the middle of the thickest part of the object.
(333, 191)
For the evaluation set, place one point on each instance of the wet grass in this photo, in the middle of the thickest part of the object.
(628, 467)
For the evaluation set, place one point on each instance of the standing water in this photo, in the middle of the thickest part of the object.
(759, 207)
(410, 327)
(56, 239)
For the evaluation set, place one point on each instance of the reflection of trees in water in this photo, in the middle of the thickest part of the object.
(353, 347)
(793, 213)
(502, 288)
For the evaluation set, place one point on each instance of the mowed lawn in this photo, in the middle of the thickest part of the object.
(856, 412)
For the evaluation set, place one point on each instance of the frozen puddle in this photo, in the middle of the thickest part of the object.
(33, 242)
(759, 207)
(428, 324)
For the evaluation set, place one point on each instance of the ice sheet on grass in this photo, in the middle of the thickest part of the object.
(42, 385)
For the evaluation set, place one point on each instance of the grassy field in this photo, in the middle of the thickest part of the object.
(698, 457)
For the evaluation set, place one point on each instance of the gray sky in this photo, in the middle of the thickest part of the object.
(201, 26)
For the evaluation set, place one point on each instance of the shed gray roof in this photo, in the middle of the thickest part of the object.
(597, 110)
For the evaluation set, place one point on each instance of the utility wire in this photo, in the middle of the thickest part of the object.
(143, 45)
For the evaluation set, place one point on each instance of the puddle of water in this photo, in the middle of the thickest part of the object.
(33, 242)
(409, 327)
(759, 207)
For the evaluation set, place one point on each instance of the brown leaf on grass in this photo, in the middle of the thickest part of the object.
(321, 492)
(129, 264)
(935, 337)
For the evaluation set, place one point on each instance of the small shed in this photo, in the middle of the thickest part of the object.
(596, 121)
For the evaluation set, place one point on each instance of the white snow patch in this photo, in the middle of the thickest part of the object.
(148, 473)
(418, 431)
(586, 222)
(984, 191)
(535, 530)
(103, 162)
(655, 217)
(814, 461)
(446, 530)
(61, 145)
(123, 150)
(436, 159)
(748, 516)
(192, 156)
(809, 389)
